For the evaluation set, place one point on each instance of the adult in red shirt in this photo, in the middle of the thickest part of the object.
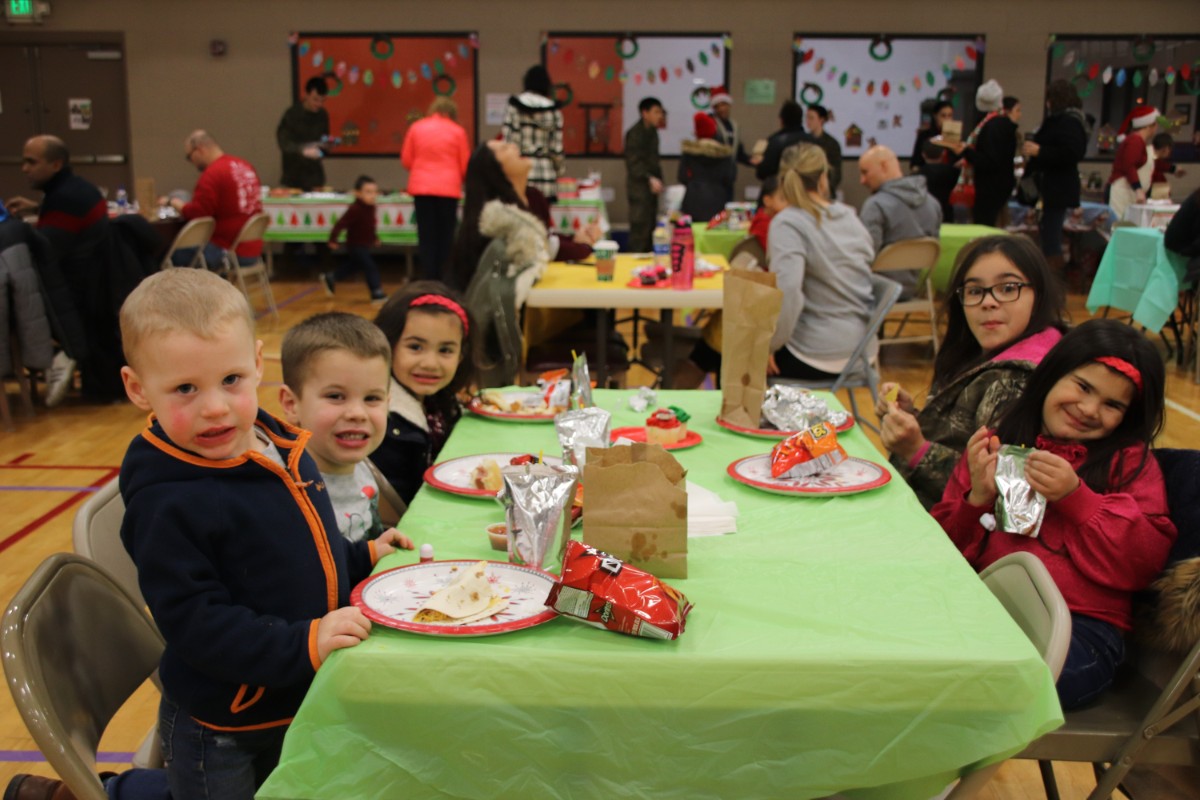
(435, 153)
(1130, 176)
(228, 191)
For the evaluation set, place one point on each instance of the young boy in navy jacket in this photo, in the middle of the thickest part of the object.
(226, 518)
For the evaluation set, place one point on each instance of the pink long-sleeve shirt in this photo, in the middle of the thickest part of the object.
(435, 153)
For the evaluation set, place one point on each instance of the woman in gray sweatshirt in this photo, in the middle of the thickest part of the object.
(821, 255)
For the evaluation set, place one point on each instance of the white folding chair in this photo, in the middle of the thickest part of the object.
(912, 254)
(195, 233)
(252, 231)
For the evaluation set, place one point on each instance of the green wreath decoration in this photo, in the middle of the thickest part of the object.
(336, 89)
(382, 47)
(1143, 47)
(444, 85)
(1084, 85)
(887, 44)
(701, 97)
(805, 97)
(1190, 86)
(620, 47)
(561, 89)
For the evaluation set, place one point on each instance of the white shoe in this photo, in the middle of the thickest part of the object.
(59, 378)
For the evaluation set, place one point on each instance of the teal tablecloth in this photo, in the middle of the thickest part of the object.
(1139, 275)
(954, 238)
(835, 643)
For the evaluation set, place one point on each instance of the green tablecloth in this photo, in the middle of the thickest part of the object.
(835, 643)
(1139, 275)
(718, 241)
(954, 238)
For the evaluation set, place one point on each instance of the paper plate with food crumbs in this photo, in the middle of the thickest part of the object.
(519, 405)
(852, 476)
(475, 476)
(775, 433)
(457, 598)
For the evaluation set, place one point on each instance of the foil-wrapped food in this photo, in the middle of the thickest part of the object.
(580, 429)
(537, 502)
(792, 408)
(1019, 507)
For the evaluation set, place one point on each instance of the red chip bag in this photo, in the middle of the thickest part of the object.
(808, 452)
(604, 591)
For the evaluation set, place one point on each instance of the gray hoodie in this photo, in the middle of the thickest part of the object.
(902, 209)
(824, 272)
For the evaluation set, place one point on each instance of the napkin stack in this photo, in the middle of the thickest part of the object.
(708, 514)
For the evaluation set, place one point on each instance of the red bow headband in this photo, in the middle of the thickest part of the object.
(446, 303)
(1125, 368)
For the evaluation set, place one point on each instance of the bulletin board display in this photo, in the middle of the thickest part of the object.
(600, 78)
(381, 83)
(873, 85)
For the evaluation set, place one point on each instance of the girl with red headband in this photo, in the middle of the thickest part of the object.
(429, 330)
(1091, 408)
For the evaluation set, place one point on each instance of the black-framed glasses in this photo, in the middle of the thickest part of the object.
(1008, 292)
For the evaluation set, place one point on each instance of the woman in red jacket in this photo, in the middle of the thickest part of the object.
(435, 154)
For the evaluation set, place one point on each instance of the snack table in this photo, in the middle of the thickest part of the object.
(836, 645)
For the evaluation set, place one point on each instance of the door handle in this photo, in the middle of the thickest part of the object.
(110, 159)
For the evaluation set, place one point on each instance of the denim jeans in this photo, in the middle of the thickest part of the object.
(1097, 649)
(358, 259)
(1051, 231)
(203, 764)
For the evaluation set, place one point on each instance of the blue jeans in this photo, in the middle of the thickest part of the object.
(358, 259)
(1051, 231)
(1097, 649)
(213, 256)
(203, 763)
(138, 784)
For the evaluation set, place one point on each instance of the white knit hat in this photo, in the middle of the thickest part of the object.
(989, 97)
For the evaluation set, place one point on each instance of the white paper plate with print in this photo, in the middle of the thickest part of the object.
(394, 597)
(775, 433)
(521, 405)
(852, 476)
(457, 476)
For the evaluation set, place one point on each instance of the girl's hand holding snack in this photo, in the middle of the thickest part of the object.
(390, 541)
(1050, 475)
(893, 394)
(982, 451)
(342, 627)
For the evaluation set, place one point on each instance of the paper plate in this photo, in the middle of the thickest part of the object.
(454, 476)
(529, 398)
(392, 598)
(637, 433)
(772, 433)
(850, 477)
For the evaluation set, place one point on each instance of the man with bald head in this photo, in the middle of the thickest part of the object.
(228, 191)
(900, 207)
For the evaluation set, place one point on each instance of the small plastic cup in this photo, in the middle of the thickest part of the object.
(498, 534)
(606, 259)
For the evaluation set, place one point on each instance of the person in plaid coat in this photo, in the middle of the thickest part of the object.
(534, 123)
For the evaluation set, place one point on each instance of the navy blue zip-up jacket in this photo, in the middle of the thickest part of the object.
(235, 563)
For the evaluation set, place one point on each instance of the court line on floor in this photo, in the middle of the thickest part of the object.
(288, 301)
(49, 488)
(1187, 412)
(33, 756)
(112, 472)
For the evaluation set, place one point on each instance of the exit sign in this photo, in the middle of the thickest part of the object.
(20, 8)
(25, 10)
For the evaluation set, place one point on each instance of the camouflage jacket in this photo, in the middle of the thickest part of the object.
(972, 400)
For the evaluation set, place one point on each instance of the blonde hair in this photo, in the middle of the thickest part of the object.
(178, 299)
(803, 177)
(334, 330)
(444, 106)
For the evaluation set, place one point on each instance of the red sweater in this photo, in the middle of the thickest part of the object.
(359, 224)
(1099, 548)
(229, 192)
(760, 223)
(1131, 156)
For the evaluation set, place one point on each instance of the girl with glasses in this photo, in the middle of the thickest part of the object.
(1004, 311)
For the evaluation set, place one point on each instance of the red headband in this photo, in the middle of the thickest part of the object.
(1125, 368)
(444, 302)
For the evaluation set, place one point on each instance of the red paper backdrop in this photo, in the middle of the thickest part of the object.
(568, 60)
(381, 112)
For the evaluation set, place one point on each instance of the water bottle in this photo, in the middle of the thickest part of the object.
(683, 254)
(662, 247)
(122, 200)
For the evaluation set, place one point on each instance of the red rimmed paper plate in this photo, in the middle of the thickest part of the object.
(455, 476)
(393, 598)
(637, 433)
(772, 433)
(852, 476)
(530, 401)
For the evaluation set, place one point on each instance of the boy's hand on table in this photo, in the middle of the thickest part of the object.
(343, 627)
(390, 541)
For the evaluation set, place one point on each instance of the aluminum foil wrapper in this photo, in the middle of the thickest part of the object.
(581, 383)
(537, 507)
(1019, 509)
(580, 429)
(644, 398)
(791, 408)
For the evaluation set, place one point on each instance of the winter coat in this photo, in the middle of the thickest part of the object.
(21, 294)
(707, 170)
(1062, 140)
(535, 124)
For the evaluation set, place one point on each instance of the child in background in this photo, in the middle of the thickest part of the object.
(1092, 408)
(771, 201)
(226, 520)
(429, 331)
(1163, 145)
(336, 373)
(359, 224)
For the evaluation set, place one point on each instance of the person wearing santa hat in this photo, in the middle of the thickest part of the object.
(721, 103)
(1133, 163)
(707, 170)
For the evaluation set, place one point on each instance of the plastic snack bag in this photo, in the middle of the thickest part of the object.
(1019, 509)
